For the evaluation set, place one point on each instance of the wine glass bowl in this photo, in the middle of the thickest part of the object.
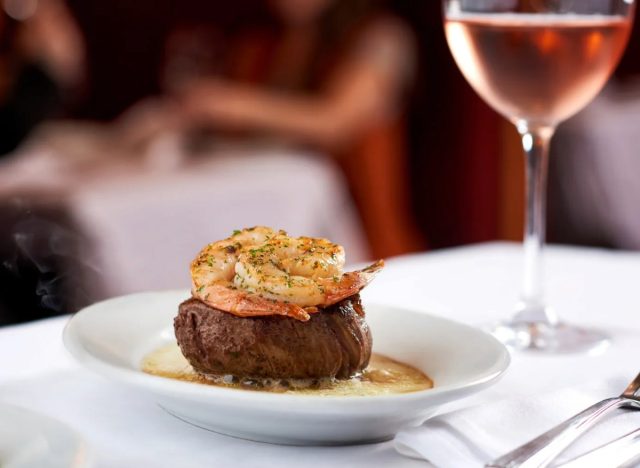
(540, 68)
(538, 62)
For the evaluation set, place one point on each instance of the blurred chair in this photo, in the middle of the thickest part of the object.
(594, 193)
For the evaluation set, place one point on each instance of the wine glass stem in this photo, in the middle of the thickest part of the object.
(535, 141)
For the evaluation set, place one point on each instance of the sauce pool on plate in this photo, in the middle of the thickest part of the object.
(383, 376)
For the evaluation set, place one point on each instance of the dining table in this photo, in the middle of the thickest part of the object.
(476, 285)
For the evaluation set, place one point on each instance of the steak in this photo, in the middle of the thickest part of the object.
(335, 342)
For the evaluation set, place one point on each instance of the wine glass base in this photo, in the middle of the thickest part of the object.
(546, 338)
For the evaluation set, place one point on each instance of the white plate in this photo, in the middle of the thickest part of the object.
(32, 440)
(112, 337)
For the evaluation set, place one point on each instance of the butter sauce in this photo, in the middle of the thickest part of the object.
(383, 376)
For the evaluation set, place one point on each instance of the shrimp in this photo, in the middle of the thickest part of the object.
(244, 304)
(216, 262)
(260, 271)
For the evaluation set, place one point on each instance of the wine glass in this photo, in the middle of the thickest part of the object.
(538, 62)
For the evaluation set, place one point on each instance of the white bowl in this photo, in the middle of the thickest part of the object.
(112, 337)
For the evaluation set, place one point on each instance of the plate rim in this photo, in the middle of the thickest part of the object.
(170, 386)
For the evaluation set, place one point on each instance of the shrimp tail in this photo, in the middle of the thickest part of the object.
(350, 283)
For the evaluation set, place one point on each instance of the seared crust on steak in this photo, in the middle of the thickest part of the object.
(335, 342)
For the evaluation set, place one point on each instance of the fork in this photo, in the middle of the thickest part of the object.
(542, 450)
(621, 452)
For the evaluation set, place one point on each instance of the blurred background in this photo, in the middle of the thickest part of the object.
(133, 133)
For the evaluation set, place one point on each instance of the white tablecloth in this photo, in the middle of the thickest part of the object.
(474, 285)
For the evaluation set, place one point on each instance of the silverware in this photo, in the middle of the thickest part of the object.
(621, 452)
(542, 450)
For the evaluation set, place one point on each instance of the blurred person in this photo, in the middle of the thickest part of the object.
(332, 74)
(41, 64)
(324, 74)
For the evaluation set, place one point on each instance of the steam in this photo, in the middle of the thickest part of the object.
(47, 262)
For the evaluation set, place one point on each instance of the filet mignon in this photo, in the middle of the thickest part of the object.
(335, 342)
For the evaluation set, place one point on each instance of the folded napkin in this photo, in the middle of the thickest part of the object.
(474, 436)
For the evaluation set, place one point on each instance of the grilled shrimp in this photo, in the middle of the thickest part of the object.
(259, 271)
(216, 262)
